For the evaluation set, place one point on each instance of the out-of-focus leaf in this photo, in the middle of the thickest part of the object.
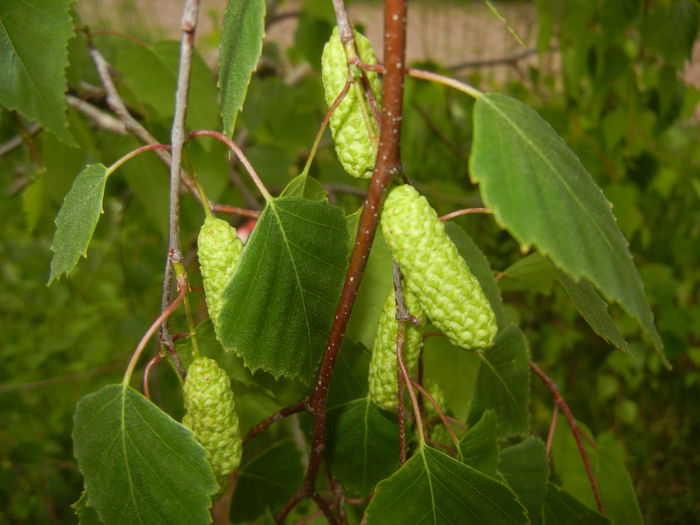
(561, 507)
(533, 272)
(239, 50)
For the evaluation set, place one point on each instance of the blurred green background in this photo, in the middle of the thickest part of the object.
(615, 78)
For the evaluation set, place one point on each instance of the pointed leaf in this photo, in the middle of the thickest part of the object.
(479, 446)
(77, 219)
(241, 46)
(562, 507)
(433, 488)
(34, 38)
(524, 466)
(541, 193)
(503, 384)
(140, 466)
(593, 309)
(279, 306)
(533, 272)
(268, 480)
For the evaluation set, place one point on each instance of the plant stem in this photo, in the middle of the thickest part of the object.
(241, 156)
(387, 167)
(277, 416)
(575, 430)
(465, 211)
(182, 285)
(116, 165)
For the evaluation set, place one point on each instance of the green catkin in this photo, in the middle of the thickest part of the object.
(356, 149)
(435, 272)
(382, 366)
(218, 250)
(211, 414)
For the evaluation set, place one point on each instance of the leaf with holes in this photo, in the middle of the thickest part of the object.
(278, 308)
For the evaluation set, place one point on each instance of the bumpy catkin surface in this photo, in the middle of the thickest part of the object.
(433, 269)
(353, 145)
(219, 251)
(211, 414)
(382, 366)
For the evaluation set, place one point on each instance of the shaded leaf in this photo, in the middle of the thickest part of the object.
(77, 219)
(524, 466)
(541, 193)
(34, 38)
(615, 486)
(479, 446)
(362, 444)
(562, 507)
(479, 266)
(239, 50)
(140, 466)
(280, 303)
(434, 488)
(533, 272)
(267, 481)
(34, 199)
(503, 384)
(593, 309)
(151, 74)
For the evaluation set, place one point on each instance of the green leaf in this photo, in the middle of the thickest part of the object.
(541, 193)
(671, 30)
(240, 49)
(34, 199)
(593, 309)
(77, 219)
(479, 266)
(479, 446)
(562, 507)
(362, 444)
(151, 71)
(376, 282)
(503, 384)
(434, 488)
(87, 515)
(34, 38)
(140, 466)
(524, 466)
(268, 480)
(279, 306)
(307, 187)
(531, 273)
(614, 484)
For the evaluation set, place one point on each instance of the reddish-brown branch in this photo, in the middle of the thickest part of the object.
(443, 418)
(552, 428)
(281, 414)
(232, 210)
(147, 372)
(575, 430)
(388, 166)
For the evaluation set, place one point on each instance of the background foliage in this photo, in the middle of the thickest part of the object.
(609, 78)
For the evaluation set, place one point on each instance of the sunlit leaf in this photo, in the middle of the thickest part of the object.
(139, 465)
(279, 306)
(541, 193)
(77, 219)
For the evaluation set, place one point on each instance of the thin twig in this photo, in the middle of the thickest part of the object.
(443, 418)
(552, 428)
(233, 210)
(277, 416)
(387, 167)
(182, 286)
(103, 120)
(465, 211)
(147, 373)
(17, 140)
(575, 430)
